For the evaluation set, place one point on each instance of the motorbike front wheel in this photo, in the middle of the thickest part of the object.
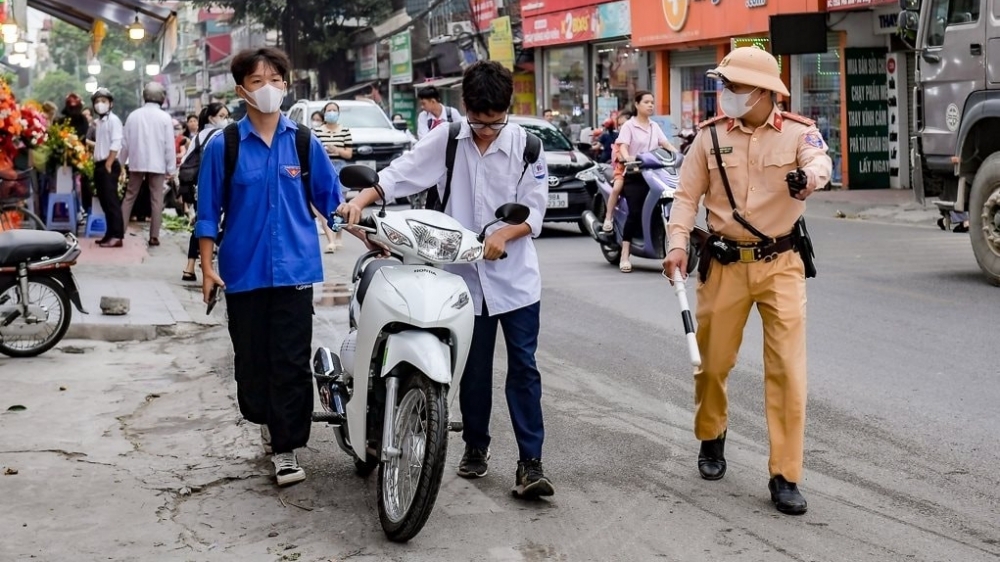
(49, 315)
(408, 483)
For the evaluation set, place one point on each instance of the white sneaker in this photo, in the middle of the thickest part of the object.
(287, 470)
(265, 438)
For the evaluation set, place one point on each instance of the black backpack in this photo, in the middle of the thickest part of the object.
(231, 136)
(532, 150)
(188, 173)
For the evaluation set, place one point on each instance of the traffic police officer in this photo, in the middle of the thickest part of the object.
(754, 258)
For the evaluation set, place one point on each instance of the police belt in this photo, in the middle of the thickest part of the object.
(753, 252)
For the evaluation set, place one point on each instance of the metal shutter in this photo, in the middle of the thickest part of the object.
(695, 57)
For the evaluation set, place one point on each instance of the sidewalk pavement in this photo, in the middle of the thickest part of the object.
(882, 205)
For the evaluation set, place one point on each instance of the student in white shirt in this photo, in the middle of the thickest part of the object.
(434, 112)
(488, 172)
(107, 144)
(149, 154)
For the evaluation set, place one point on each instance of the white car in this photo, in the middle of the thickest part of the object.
(376, 140)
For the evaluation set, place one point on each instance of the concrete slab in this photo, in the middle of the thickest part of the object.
(154, 308)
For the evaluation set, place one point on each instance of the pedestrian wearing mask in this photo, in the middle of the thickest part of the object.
(269, 257)
(754, 166)
(317, 119)
(506, 293)
(339, 145)
(108, 135)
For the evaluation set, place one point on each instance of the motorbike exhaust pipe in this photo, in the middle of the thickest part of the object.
(591, 224)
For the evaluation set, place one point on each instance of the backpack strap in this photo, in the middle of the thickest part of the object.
(448, 112)
(303, 146)
(532, 150)
(449, 161)
(231, 136)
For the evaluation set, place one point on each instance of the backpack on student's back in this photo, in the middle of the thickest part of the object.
(532, 150)
(231, 137)
(187, 175)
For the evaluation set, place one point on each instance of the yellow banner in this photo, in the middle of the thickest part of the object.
(502, 42)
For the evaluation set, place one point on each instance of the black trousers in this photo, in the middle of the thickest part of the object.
(107, 193)
(635, 192)
(271, 330)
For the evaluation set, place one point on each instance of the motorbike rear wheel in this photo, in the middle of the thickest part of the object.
(408, 484)
(613, 254)
(45, 293)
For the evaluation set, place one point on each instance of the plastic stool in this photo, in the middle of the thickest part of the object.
(61, 215)
(97, 224)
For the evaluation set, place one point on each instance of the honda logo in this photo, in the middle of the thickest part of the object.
(554, 181)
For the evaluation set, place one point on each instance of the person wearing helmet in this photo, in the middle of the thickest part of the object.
(755, 166)
(108, 135)
(150, 154)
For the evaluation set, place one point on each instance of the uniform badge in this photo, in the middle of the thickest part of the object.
(724, 150)
(814, 139)
(538, 169)
(293, 171)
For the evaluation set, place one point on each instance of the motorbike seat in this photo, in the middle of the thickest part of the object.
(19, 246)
(368, 274)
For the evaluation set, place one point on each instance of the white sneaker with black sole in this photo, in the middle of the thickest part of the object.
(265, 438)
(287, 470)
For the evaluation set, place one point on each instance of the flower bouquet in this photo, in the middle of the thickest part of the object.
(34, 126)
(10, 120)
(66, 149)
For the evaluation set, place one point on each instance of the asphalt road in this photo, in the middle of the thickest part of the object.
(901, 432)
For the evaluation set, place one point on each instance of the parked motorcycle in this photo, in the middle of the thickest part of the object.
(36, 289)
(659, 169)
(387, 393)
(687, 137)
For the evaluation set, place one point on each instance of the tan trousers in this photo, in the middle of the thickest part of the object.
(156, 185)
(779, 290)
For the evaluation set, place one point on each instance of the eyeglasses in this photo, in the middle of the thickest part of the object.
(494, 126)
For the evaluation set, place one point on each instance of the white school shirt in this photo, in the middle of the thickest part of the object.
(480, 184)
(108, 132)
(149, 141)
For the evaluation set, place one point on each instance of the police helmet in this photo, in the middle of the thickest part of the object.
(751, 66)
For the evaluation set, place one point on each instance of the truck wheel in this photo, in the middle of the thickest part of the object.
(984, 218)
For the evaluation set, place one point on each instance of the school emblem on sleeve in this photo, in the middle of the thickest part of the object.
(293, 171)
(538, 169)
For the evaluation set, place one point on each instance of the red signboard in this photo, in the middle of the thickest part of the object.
(837, 5)
(538, 7)
(572, 26)
(484, 11)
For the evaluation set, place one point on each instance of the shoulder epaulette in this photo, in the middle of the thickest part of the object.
(797, 118)
(715, 119)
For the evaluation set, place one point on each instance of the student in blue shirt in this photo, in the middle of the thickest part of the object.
(269, 257)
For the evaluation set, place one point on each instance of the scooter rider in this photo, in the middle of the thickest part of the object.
(740, 163)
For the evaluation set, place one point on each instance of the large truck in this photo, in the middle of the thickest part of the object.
(955, 151)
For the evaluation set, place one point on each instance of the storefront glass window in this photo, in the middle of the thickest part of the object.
(698, 95)
(616, 77)
(567, 87)
(821, 101)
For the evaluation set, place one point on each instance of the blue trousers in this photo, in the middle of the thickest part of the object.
(523, 385)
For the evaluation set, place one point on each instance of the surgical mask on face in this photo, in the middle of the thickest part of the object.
(317, 123)
(735, 105)
(221, 122)
(266, 99)
(101, 107)
(332, 117)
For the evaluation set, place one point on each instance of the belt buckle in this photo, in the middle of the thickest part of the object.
(747, 255)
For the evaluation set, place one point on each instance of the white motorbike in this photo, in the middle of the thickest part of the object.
(387, 393)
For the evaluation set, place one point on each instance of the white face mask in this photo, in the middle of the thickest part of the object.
(101, 107)
(735, 105)
(266, 99)
(220, 123)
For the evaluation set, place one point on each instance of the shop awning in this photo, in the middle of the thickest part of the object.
(353, 89)
(439, 82)
(83, 13)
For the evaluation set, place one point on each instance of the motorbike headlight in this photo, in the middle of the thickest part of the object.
(436, 244)
(472, 254)
(590, 174)
(396, 237)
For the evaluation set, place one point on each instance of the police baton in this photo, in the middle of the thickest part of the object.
(679, 289)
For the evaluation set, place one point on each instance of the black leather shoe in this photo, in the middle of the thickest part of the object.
(712, 458)
(786, 496)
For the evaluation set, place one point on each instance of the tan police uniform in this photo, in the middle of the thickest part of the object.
(756, 162)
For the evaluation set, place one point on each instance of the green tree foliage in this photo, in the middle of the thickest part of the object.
(323, 26)
(54, 86)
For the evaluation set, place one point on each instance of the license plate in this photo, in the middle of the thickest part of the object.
(368, 163)
(558, 200)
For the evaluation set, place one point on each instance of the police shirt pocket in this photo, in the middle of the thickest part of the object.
(777, 164)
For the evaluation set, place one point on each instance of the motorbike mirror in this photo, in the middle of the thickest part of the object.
(399, 125)
(909, 5)
(584, 147)
(326, 363)
(513, 213)
(358, 177)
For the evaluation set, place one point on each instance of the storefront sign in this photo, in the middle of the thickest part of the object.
(834, 5)
(668, 22)
(867, 118)
(400, 61)
(367, 64)
(502, 42)
(524, 94)
(885, 21)
(484, 11)
(603, 21)
(539, 7)
(405, 104)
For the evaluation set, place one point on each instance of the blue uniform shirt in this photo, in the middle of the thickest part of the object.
(271, 238)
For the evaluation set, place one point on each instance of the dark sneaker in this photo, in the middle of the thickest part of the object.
(530, 481)
(474, 463)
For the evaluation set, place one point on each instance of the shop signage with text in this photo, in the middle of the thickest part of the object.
(484, 11)
(603, 21)
(538, 7)
(833, 5)
(667, 22)
(400, 61)
(867, 118)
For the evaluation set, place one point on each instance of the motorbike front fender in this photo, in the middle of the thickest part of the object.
(421, 349)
